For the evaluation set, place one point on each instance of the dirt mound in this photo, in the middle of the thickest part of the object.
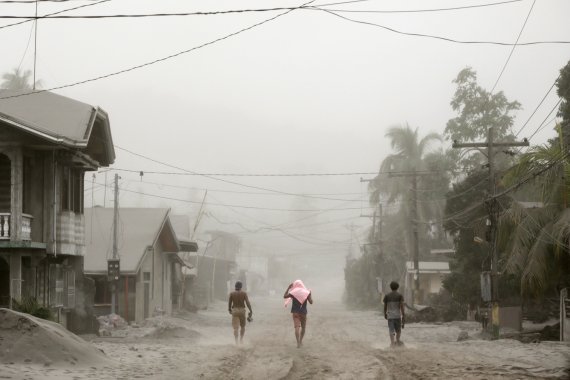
(27, 339)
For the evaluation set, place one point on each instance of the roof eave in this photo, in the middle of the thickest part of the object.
(104, 116)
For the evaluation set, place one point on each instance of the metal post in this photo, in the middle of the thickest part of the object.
(115, 243)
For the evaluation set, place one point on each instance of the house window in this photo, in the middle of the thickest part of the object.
(56, 285)
(70, 282)
(62, 286)
(102, 291)
(71, 190)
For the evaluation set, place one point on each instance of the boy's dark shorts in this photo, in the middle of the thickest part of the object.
(395, 325)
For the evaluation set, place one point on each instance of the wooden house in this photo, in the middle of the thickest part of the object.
(150, 268)
(47, 143)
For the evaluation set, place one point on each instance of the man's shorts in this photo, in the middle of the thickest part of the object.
(238, 317)
(395, 325)
(299, 320)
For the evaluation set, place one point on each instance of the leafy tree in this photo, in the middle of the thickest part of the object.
(470, 258)
(477, 110)
(18, 80)
(537, 238)
(466, 212)
(563, 91)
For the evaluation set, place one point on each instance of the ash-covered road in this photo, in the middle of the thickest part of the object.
(340, 344)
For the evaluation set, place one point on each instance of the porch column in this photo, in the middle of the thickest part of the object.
(15, 277)
(16, 194)
(49, 200)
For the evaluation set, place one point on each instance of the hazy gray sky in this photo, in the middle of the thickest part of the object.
(307, 92)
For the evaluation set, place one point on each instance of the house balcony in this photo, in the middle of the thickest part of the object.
(25, 227)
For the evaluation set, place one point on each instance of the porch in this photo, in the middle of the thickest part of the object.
(25, 227)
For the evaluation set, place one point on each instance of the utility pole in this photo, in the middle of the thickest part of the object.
(492, 208)
(113, 267)
(415, 227)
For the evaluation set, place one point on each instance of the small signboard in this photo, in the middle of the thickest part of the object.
(113, 269)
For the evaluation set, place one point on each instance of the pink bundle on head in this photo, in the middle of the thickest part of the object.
(299, 291)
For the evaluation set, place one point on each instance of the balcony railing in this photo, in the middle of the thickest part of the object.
(25, 228)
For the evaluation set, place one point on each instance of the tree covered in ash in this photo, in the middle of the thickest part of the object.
(405, 205)
(533, 219)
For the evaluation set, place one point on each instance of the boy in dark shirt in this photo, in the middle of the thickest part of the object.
(394, 313)
(236, 306)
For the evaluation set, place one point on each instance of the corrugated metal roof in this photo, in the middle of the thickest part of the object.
(56, 118)
(138, 229)
(46, 112)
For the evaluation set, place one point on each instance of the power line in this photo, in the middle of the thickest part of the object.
(230, 191)
(250, 174)
(237, 192)
(39, 1)
(54, 13)
(514, 47)
(537, 107)
(542, 125)
(341, 3)
(218, 179)
(187, 173)
(156, 60)
(441, 38)
(531, 176)
(145, 15)
(237, 206)
(282, 225)
(27, 46)
(423, 10)
(302, 238)
(251, 10)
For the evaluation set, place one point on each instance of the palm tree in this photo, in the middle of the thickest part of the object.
(18, 80)
(537, 239)
(410, 153)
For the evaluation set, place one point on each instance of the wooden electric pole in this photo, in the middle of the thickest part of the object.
(113, 264)
(492, 208)
(414, 219)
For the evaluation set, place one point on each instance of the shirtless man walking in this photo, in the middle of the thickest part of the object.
(236, 306)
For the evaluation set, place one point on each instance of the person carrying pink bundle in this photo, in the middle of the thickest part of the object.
(299, 294)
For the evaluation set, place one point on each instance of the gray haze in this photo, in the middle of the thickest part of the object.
(305, 93)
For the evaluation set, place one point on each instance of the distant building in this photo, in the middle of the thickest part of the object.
(150, 268)
(186, 294)
(432, 270)
(47, 143)
(216, 267)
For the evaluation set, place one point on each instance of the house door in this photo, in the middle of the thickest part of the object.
(4, 283)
